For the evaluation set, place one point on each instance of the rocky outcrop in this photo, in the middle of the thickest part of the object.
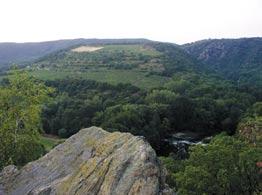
(91, 162)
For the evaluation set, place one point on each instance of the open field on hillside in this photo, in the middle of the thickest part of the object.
(110, 56)
(86, 49)
(137, 78)
(134, 49)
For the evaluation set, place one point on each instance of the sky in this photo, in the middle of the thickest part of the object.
(177, 21)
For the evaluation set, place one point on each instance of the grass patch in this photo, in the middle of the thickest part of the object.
(134, 77)
(50, 142)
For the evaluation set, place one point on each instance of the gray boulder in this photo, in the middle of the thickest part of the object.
(92, 161)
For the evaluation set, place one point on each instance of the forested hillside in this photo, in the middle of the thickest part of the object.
(143, 65)
(239, 60)
(22, 53)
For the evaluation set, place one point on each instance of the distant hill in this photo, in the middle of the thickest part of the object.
(239, 60)
(24, 52)
(236, 59)
(144, 64)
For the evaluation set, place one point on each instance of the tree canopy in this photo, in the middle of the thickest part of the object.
(21, 100)
(227, 165)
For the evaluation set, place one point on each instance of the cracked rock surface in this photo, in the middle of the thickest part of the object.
(91, 162)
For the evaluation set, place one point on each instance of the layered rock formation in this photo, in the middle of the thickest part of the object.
(91, 162)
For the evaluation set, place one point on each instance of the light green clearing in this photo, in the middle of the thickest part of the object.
(49, 142)
(136, 78)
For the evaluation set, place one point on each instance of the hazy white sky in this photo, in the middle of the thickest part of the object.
(176, 21)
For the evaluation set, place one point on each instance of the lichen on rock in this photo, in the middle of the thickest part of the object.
(92, 161)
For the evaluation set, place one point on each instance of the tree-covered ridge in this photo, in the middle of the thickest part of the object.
(109, 56)
(236, 59)
(156, 58)
(23, 53)
(146, 65)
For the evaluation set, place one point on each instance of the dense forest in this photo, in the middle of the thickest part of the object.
(149, 89)
(185, 103)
